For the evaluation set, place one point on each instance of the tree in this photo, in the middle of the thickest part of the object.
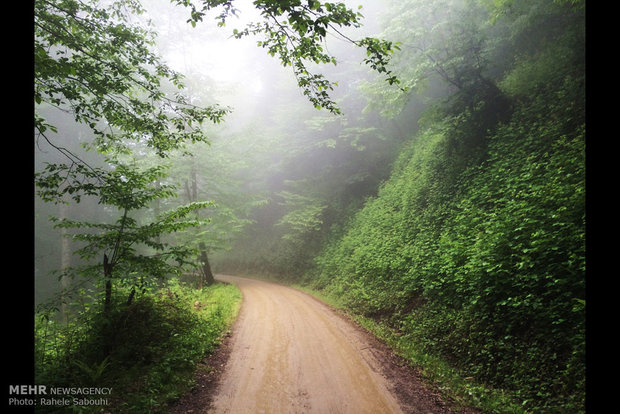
(93, 63)
(191, 193)
(131, 253)
(442, 41)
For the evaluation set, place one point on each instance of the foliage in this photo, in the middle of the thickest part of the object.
(474, 249)
(295, 31)
(304, 215)
(96, 64)
(157, 343)
(217, 175)
(132, 253)
(331, 165)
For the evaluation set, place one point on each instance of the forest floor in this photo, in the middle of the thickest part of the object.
(291, 353)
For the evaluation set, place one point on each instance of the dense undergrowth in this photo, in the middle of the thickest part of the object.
(146, 352)
(474, 249)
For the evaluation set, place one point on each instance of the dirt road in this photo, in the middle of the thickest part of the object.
(290, 353)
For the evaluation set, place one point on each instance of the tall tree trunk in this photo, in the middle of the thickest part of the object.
(107, 274)
(192, 195)
(157, 207)
(65, 259)
(108, 264)
(194, 184)
(207, 274)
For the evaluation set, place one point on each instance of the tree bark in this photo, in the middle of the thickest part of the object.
(192, 195)
(107, 274)
(207, 274)
(131, 296)
(65, 259)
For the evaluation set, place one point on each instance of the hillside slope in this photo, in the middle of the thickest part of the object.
(475, 246)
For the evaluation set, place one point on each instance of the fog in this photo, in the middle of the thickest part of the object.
(280, 171)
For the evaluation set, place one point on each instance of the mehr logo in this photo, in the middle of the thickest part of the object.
(27, 389)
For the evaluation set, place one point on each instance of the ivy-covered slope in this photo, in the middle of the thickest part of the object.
(475, 246)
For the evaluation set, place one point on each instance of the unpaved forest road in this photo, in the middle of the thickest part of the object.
(290, 353)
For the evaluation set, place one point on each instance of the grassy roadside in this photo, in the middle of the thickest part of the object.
(464, 391)
(154, 347)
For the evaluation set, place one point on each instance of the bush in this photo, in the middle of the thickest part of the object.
(146, 351)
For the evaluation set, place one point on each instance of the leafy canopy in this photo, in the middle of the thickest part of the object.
(295, 31)
(95, 64)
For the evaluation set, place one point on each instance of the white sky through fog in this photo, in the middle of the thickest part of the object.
(207, 48)
(211, 51)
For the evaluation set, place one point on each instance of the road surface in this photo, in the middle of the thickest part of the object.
(293, 354)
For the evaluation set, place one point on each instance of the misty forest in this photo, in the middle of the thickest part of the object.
(419, 165)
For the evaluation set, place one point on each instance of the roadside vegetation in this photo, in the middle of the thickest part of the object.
(147, 352)
(483, 266)
(473, 251)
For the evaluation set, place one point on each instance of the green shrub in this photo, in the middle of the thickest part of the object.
(146, 351)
